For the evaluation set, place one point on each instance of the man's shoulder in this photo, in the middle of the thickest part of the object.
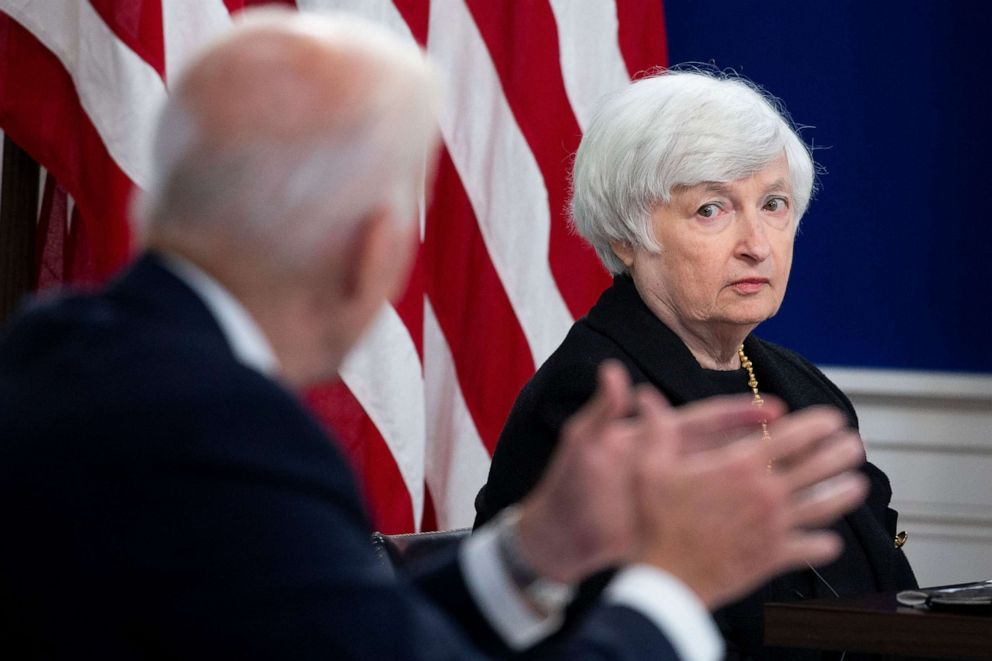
(132, 384)
(95, 345)
(83, 325)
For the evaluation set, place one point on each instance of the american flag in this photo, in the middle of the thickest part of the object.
(498, 279)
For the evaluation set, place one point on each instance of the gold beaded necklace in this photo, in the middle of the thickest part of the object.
(752, 383)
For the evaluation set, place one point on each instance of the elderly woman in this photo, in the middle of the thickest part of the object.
(690, 186)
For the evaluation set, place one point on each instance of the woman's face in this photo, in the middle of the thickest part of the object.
(726, 251)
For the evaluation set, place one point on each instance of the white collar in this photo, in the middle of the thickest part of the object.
(246, 339)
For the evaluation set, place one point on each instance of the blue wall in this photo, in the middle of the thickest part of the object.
(893, 264)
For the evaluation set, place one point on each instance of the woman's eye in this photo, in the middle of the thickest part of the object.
(708, 210)
(776, 204)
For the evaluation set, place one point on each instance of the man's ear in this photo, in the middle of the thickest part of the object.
(375, 264)
(624, 252)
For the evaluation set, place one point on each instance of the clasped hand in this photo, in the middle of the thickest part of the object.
(637, 481)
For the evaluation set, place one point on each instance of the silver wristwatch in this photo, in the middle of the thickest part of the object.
(547, 595)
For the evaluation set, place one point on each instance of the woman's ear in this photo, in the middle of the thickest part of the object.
(624, 252)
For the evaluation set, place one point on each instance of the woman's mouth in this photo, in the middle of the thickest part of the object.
(748, 286)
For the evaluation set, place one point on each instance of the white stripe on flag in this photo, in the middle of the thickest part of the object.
(119, 91)
(383, 372)
(500, 175)
(457, 462)
(187, 25)
(592, 64)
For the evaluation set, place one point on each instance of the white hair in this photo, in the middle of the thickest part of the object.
(290, 193)
(677, 128)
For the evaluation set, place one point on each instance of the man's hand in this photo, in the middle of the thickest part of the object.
(724, 522)
(580, 518)
(585, 513)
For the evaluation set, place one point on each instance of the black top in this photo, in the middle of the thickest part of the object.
(161, 500)
(620, 326)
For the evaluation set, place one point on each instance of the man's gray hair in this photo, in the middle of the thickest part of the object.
(291, 192)
(677, 128)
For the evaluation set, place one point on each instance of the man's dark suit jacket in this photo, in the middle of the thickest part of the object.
(160, 499)
(621, 327)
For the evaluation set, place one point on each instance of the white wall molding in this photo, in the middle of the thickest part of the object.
(931, 432)
(913, 384)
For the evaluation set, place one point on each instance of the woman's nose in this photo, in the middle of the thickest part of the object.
(753, 240)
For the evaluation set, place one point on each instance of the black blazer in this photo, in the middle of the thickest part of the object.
(620, 326)
(160, 499)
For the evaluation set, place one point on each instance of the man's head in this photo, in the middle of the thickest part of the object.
(286, 148)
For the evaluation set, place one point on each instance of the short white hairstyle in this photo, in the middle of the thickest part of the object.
(290, 193)
(675, 129)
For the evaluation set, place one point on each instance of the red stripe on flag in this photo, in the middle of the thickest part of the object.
(410, 305)
(50, 239)
(41, 112)
(417, 14)
(79, 256)
(522, 39)
(642, 35)
(237, 5)
(491, 355)
(139, 25)
(429, 520)
(386, 495)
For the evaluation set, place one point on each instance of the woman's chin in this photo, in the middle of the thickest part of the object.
(750, 310)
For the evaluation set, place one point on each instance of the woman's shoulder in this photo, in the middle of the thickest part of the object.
(565, 381)
(573, 366)
(800, 377)
(562, 383)
(788, 355)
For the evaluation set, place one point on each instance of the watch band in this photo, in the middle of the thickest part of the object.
(547, 595)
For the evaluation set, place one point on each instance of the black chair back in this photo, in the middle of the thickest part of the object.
(397, 551)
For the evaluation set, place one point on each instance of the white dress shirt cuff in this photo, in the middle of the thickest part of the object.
(673, 608)
(497, 596)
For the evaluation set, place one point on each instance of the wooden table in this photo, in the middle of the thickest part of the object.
(878, 624)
